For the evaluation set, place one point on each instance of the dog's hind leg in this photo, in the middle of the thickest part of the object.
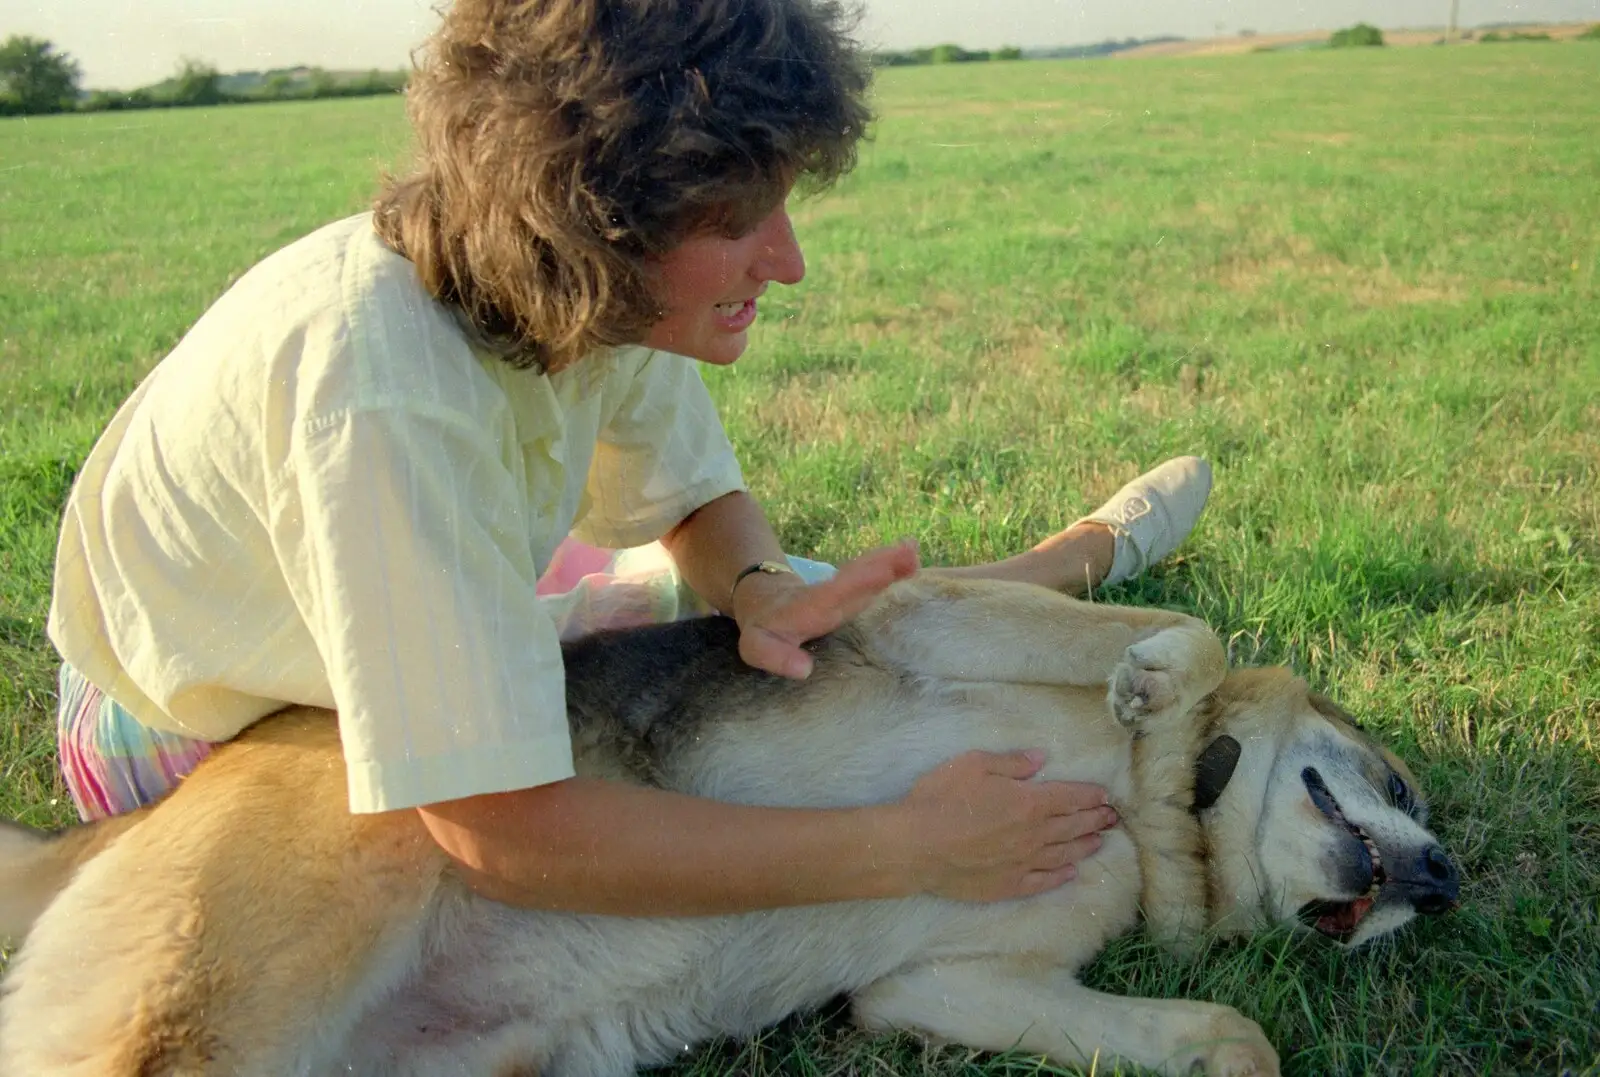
(986, 630)
(240, 929)
(1011, 1005)
(136, 971)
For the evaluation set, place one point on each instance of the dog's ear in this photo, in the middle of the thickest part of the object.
(1333, 712)
(1213, 770)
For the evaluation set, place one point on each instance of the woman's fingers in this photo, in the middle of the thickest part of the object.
(819, 609)
(764, 650)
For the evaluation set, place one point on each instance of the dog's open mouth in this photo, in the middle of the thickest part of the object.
(1339, 919)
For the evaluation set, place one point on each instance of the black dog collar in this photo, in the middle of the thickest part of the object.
(1213, 770)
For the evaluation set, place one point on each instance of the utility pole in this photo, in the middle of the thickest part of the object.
(1450, 33)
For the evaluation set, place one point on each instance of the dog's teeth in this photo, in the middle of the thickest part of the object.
(1376, 857)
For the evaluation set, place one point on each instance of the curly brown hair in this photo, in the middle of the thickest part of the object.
(561, 143)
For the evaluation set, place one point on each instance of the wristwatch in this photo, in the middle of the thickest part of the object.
(770, 568)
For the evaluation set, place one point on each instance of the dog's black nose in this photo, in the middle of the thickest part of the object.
(1436, 884)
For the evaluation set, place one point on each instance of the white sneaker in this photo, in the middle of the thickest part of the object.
(1151, 515)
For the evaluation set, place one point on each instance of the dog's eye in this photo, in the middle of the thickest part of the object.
(1400, 794)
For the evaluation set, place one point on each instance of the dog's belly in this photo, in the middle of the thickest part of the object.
(563, 994)
(566, 995)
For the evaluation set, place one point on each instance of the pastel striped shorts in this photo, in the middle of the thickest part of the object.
(112, 763)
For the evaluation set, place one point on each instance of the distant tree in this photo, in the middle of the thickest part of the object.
(378, 82)
(277, 86)
(197, 83)
(1360, 35)
(323, 84)
(35, 78)
(1008, 52)
(1591, 34)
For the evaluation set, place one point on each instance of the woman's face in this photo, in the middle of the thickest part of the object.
(710, 284)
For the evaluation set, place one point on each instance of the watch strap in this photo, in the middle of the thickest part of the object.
(770, 568)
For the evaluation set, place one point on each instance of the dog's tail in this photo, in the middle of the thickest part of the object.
(36, 865)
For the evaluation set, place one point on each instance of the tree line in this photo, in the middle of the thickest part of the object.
(36, 78)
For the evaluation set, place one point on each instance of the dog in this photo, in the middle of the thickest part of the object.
(249, 925)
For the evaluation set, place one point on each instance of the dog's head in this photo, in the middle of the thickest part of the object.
(1312, 823)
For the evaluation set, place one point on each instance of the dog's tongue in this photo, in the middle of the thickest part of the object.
(1345, 920)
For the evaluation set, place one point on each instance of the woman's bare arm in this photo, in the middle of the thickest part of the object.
(973, 829)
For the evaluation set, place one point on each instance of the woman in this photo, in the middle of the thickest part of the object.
(343, 485)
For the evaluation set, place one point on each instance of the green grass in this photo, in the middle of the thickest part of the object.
(1362, 282)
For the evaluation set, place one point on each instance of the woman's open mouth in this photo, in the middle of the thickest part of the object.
(736, 317)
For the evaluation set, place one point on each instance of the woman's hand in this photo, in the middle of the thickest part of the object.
(977, 829)
(778, 613)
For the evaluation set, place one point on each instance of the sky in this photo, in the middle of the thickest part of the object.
(121, 44)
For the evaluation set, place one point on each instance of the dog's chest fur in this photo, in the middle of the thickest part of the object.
(1173, 852)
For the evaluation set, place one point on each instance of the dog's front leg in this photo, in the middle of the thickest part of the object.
(1006, 1004)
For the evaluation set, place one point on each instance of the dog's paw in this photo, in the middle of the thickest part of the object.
(1239, 1050)
(1145, 682)
(1242, 1060)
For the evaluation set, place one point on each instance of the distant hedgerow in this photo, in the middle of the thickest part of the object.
(1496, 37)
(944, 54)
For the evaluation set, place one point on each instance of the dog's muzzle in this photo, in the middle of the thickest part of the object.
(1429, 881)
(1425, 879)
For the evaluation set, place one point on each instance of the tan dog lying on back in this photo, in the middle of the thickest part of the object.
(248, 925)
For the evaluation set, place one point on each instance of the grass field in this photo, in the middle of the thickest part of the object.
(1363, 283)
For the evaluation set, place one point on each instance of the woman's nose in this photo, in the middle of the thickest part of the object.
(779, 257)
